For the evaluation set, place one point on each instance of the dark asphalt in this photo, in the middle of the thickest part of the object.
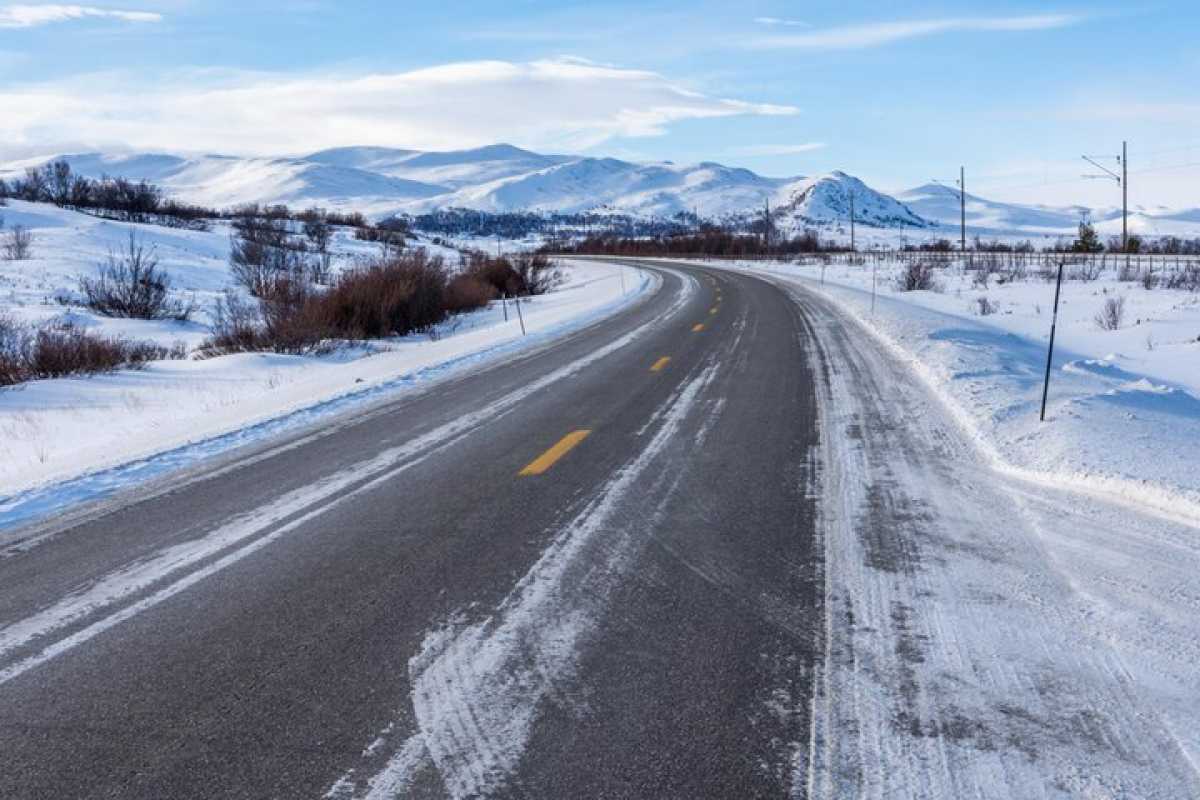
(692, 607)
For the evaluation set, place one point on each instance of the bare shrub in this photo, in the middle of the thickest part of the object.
(1087, 270)
(394, 297)
(1186, 277)
(17, 244)
(984, 307)
(262, 251)
(536, 274)
(467, 293)
(916, 277)
(1149, 278)
(14, 347)
(1014, 271)
(512, 276)
(236, 327)
(1111, 314)
(390, 298)
(131, 285)
(58, 350)
(980, 278)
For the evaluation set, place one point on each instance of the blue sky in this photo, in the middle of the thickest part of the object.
(894, 92)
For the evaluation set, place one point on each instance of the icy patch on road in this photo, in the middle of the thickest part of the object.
(477, 690)
(138, 580)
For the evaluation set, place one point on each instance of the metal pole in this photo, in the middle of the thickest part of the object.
(1125, 201)
(520, 316)
(851, 222)
(962, 199)
(504, 305)
(874, 279)
(1053, 326)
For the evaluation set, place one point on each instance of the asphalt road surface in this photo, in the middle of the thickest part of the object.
(718, 545)
(586, 572)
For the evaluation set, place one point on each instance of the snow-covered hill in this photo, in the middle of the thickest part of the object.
(940, 204)
(383, 181)
(828, 198)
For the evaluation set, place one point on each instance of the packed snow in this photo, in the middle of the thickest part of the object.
(1124, 405)
(69, 439)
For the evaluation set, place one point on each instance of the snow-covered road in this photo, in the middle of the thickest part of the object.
(987, 636)
(763, 556)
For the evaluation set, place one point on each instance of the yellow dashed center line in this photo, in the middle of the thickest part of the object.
(661, 364)
(549, 458)
(712, 310)
(697, 328)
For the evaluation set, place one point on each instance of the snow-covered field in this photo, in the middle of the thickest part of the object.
(101, 432)
(1124, 406)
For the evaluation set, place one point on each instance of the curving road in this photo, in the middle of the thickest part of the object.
(584, 572)
(719, 545)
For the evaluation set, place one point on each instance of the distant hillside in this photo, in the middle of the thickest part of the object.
(499, 179)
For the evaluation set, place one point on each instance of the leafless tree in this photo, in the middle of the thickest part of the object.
(1111, 315)
(132, 285)
(17, 244)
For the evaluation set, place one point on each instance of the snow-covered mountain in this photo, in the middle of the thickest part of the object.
(383, 181)
(940, 204)
(828, 198)
(380, 181)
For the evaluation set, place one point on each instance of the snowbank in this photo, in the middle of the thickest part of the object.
(1124, 409)
(72, 439)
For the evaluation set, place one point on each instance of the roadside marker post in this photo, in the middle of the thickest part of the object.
(1053, 326)
(874, 280)
(520, 316)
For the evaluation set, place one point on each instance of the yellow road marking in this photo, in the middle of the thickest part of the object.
(549, 458)
(712, 310)
(661, 364)
(699, 327)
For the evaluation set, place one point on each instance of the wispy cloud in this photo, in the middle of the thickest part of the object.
(562, 103)
(879, 33)
(779, 149)
(30, 16)
(779, 22)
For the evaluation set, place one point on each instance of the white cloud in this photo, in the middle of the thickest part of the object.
(879, 33)
(780, 149)
(566, 103)
(782, 23)
(29, 16)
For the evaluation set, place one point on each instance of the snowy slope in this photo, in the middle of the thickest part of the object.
(940, 204)
(649, 189)
(826, 199)
(52, 430)
(223, 181)
(382, 181)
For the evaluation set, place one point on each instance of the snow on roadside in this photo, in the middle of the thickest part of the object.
(125, 427)
(1124, 409)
